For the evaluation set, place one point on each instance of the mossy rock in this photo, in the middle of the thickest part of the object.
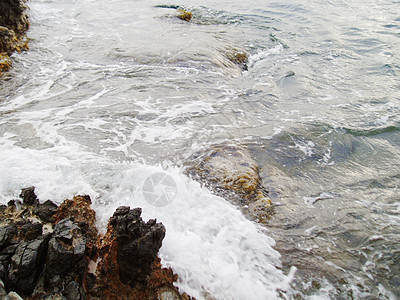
(5, 63)
(238, 57)
(185, 15)
(231, 172)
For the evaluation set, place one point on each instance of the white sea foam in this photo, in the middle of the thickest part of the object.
(209, 243)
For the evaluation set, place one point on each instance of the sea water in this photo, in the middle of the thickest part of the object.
(113, 98)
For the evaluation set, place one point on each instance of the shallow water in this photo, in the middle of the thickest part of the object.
(113, 92)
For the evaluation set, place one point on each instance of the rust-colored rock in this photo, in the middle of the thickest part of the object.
(80, 211)
(129, 266)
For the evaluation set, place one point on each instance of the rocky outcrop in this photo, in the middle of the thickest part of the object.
(230, 171)
(129, 251)
(13, 25)
(56, 253)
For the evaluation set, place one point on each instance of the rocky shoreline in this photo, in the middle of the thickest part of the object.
(14, 23)
(55, 252)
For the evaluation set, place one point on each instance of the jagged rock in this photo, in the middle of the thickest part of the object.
(79, 210)
(229, 170)
(138, 242)
(8, 244)
(66, 260)
(7, 234)
(55, 265)
(129, 264)
(26, 265)
(28, 196)
(12, 204)
(30, 231)
(45, 211)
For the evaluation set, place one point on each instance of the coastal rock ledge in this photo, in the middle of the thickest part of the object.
(55, 252)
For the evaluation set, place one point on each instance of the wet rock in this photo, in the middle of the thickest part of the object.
(3, 292)
(7, 40)
(13, 15)
(74, 291)
(30, 231)
(55, 265)
(26, 265)
(128, 254)
(5, 63)
(28, 196)
(230, 171)
(79, 210)
(8, 235)
(138, 242)
(13, 296)
(238, 57)
(45, 211)
(185, 15)
(168, 294)
(13, 24)
(22, 255)
(66, 260)
(12, 204)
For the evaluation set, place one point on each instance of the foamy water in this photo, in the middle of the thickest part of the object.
(112, 93)
(212, 247)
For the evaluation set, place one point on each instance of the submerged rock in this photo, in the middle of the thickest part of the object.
(238, 57)
(185, 15)
(230, 171)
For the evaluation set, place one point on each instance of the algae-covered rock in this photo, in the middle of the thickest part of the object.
(185, 15)
(229, 170)
(13, 24)
(238, 57)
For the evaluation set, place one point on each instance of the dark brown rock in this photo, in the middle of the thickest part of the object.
(13, 15)
(28, 196)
